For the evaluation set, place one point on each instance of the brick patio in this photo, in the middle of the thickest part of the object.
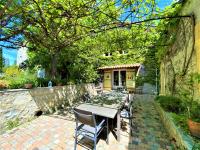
(56, 133)
(52, 132)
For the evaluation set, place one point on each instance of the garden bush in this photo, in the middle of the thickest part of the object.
(195, 112)
(16, 83)
(11, 71)
(171, 104)
(24, 78)
(43, 82)
(15, 78)
(181, 120)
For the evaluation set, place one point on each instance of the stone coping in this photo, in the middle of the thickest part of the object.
(19, 90)
(182, 140)
(13, 90)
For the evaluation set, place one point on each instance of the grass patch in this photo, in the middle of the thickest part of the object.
(10, 124)
(13, 123)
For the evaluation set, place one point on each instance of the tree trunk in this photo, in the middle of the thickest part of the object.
(53, 66)
(173, 88)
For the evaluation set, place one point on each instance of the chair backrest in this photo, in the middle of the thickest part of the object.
(85, 117)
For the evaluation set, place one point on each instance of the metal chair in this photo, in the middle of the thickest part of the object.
(86, 97)
(126, 109)
(127, 113)
(87, 126)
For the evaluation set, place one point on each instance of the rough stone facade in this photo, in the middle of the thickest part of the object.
(183, 57)
(23, 104)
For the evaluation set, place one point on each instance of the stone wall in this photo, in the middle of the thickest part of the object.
(23, 104)
(183, 57)
(50, 99)
(16, 104)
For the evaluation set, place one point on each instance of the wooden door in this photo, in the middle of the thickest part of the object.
(107, 80)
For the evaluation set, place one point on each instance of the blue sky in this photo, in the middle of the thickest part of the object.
(11, 54)
(163, 3)
(160, 3)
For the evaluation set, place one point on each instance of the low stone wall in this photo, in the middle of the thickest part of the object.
(23, 104)
(16, 104)
(183, 141)
(51, 99)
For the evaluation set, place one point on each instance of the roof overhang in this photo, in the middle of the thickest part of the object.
(137, 65)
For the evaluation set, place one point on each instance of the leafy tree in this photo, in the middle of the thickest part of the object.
(55, 26)
(11, 26)
(69, 37)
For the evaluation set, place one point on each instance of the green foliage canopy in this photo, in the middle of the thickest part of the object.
(69, 37)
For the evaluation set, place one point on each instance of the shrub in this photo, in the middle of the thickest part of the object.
(23, 78)
(171, 103)
(16, 83)
(16, 78)
(181, 120)
(44, 82)
(29, 77)
(196, 146)
(195, 112)
(11, 71)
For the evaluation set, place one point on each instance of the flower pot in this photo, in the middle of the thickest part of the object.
(194, 128)
(28, 86)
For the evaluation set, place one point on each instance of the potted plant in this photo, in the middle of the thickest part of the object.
(28, 84)
(193, 106)
(194, 119)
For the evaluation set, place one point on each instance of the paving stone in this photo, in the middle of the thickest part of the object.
(150, 127)
(57, 133)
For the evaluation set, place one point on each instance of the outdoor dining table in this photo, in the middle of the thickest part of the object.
(107, 105)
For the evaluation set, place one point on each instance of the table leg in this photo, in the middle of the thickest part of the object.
(107, 131)
(118, 125)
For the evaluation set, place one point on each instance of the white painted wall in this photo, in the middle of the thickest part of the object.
(22, 55)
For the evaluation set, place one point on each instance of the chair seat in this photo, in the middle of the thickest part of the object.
(89, 131)
(90, 127)
(124, 114)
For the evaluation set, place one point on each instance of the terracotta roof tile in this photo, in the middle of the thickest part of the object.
(120, 66)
